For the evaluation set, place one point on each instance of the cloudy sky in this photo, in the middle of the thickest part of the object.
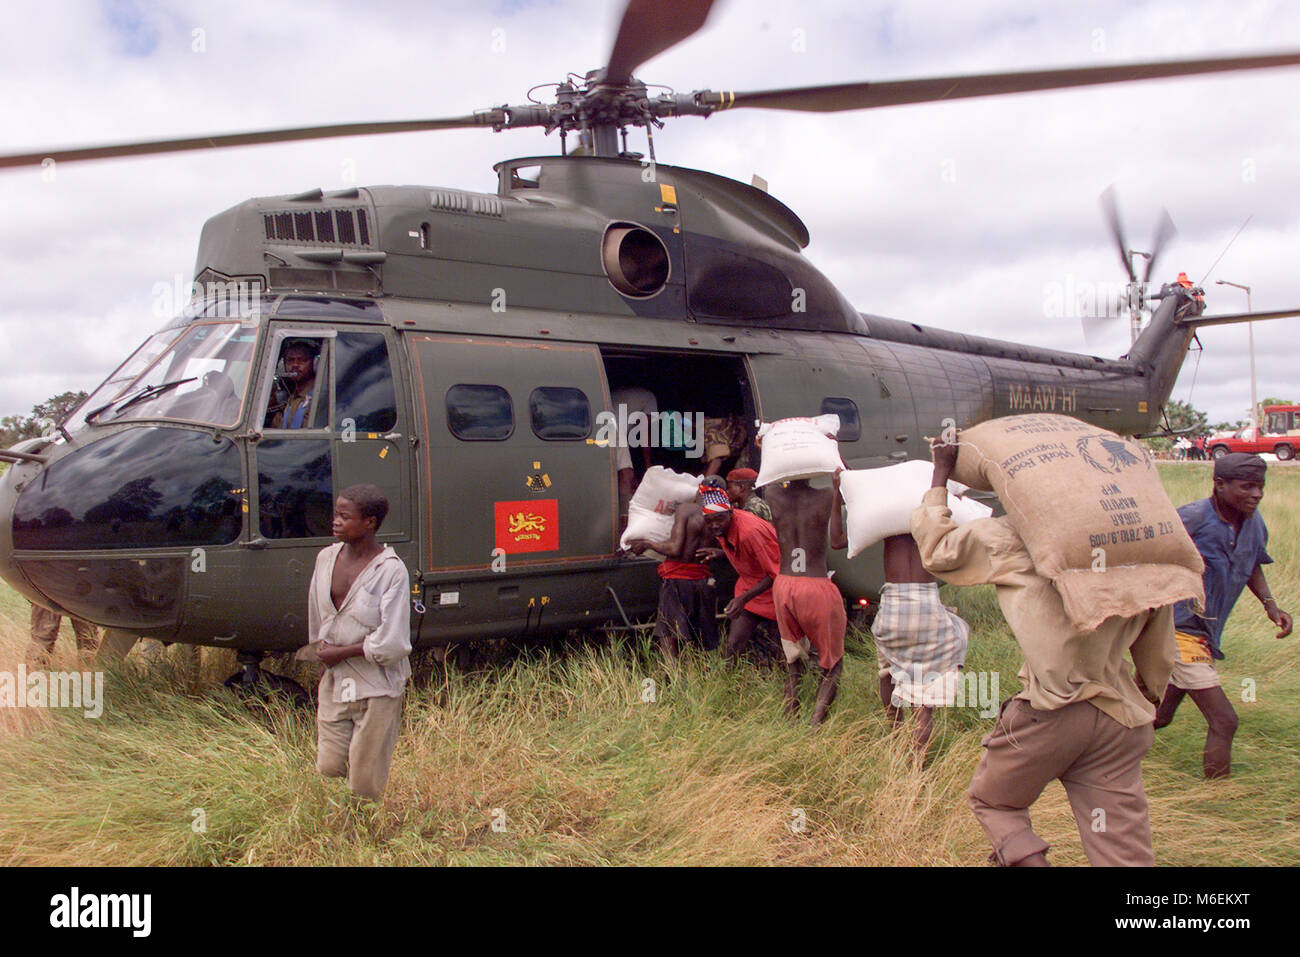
(976, 215)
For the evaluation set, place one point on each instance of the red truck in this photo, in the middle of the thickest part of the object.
(1279, 433)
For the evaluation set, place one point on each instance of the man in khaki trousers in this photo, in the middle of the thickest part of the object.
(1081, 717)
(359, 626)
(45, 631)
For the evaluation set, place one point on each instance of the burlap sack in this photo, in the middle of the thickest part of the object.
(1090, 509)
(880, 501)
(798, 448)
(651, 511)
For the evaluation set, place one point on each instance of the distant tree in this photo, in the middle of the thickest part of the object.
(1182, 416)
(56, 408)
(1265, 403)
(15, 428)
(1229, 426)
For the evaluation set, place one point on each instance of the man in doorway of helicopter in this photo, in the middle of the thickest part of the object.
(629, 401)
(359, 626)
(299, 356)
(740, 490)
(1231, 537)
(724, 440)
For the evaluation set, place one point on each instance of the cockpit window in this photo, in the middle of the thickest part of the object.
(201, 377)
(126, 373)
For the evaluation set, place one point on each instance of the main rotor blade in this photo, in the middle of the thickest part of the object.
(649, 28)
(865, 96)
(243, 139)
(1111, 209)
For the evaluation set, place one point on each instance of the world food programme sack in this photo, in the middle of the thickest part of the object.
(1090, 509)
(650, 513)
(798, 449)
(881, 501)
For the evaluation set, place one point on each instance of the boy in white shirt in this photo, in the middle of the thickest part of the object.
(359, 626)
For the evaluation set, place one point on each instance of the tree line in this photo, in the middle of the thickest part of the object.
(45, 415)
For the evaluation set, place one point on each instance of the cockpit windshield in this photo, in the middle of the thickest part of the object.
(195, 374)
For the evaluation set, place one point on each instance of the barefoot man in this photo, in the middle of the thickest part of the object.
(688, 602)
(809, 607)
(359, 626)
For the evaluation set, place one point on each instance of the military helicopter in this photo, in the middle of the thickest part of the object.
(464, 347)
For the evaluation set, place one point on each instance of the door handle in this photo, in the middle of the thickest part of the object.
(258, 542)
(392, 436)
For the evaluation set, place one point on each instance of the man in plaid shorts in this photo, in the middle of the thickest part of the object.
(920, 644)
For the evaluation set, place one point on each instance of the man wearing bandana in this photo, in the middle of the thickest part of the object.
(1230, 535)
(688, 602)
(749, 543)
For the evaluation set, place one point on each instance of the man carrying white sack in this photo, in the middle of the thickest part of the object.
(687, 597)
(920, 644)
(1081, 718)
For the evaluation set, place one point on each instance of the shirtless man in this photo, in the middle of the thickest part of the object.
(688, 602)
(920, 644)
(809, 607)
(359, 626)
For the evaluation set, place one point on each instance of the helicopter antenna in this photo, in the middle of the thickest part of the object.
(1225, 249)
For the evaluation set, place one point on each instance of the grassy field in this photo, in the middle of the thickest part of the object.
(560, 759)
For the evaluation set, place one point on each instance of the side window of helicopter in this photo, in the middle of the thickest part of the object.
(478, 413)
(363, 385)
(300, 392)
(295, 488)
(847, 410)
(560, 413)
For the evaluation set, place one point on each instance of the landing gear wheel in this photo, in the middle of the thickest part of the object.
(251, 683)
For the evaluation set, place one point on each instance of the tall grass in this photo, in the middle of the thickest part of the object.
(576, 758)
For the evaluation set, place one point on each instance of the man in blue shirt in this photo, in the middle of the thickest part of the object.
(1231, 537)
(299, 357)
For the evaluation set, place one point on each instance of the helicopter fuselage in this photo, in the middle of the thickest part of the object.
(468, 348)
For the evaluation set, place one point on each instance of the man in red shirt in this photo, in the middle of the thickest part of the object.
(687, 598)
(750, 544)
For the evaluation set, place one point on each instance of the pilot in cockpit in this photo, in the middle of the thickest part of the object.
(292, 407)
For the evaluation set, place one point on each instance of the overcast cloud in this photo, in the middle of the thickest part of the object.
(959, 215)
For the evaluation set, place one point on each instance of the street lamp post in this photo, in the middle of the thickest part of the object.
(1250, 328)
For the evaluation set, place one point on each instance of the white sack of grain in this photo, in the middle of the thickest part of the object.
(798, 449)
(650, 513)
(881, 501)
